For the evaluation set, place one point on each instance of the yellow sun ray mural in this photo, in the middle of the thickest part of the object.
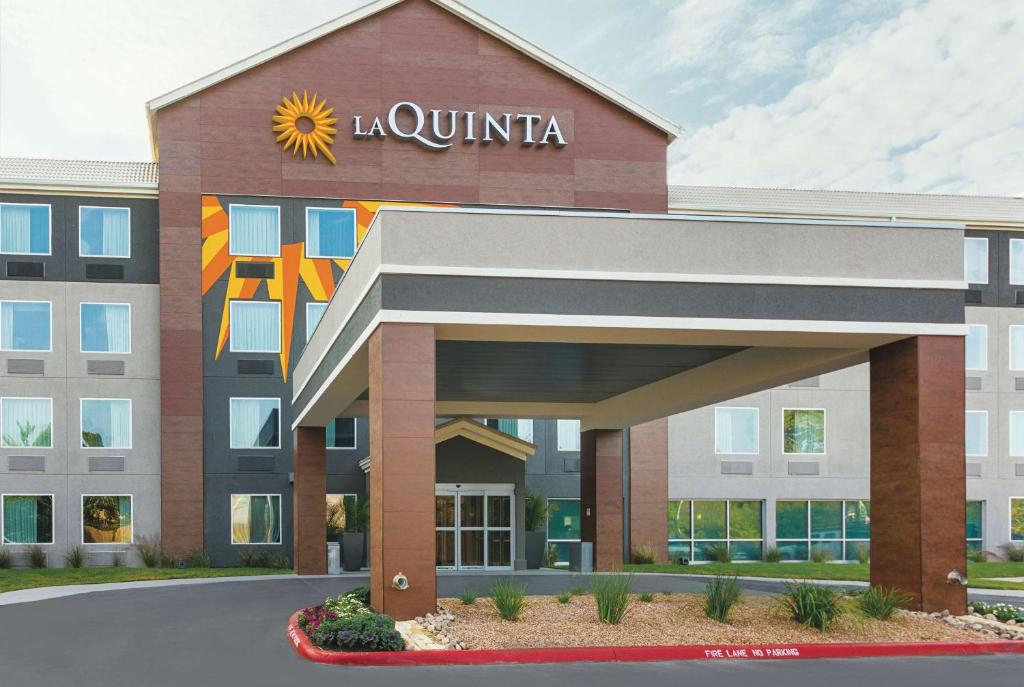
(294, 115)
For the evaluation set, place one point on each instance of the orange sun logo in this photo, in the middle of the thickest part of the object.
(303, 123)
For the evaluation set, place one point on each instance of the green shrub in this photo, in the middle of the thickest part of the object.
(977, 555)
(5, 558)
(811, 604)
(536, 512)
(167, 560)
(612, 594)
(720, 595)
(260, 558)
(36, 557)
(577, 591)
(117, 559)
(564, 597)
(198, 559)
(509, 598)
(880, 603)
(821, 554)
(467, 597)
(361, 632)
(148, 548)
(864, 554)
(719, 553)
(550, 556)
(643, 554)
(647, 597)
(1014, 552)
(362, 592)
(75, 557)
(772, 555)
(278, 561)
(668, 592)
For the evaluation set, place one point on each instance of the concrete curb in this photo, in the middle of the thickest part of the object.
(305, 648)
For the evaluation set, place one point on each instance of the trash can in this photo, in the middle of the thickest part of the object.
(333, 558)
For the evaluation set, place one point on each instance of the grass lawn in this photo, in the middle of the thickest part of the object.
(976, 572)
(23, 578)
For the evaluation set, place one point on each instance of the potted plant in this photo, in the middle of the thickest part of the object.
(335, 521)
(353, 539)
(536, 530)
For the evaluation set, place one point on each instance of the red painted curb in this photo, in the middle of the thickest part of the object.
(309, 651)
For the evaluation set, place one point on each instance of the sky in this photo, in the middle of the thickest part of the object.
(886, 95)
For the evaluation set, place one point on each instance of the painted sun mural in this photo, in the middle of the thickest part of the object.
(290, 268)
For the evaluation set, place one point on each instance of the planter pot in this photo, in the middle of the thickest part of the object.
(353, 546)
(536, 546)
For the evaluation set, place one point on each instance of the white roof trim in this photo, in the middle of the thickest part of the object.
(670, 128)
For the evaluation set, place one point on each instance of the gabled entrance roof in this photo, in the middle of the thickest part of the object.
(468, 428)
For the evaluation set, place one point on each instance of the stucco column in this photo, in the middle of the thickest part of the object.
(648, 487)
(309, 503)
(402, 469)
(601, 495)
(918, 486)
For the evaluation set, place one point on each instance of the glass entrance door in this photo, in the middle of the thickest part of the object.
(474, 526)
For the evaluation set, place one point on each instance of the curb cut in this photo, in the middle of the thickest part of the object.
(305, 649)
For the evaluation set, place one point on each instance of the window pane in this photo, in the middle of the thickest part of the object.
(524, 430)
(679, 519)
(853, 549)
(314, 313)
(568, 435)
(1017, 261)
(858, 519)
(678, 550)
(704, 550)
(745, 550)
(338, 508)
(745, 520)
(255, 519)
(24, 326)
(255, 422)
(444, 549)
(976, 431)
(1017, 347)
(976, 347)
(255, 327)
(736, 430)
(1017, 433)
(26, 423)
(105, 232)
(791, 519)
(25, 229)
(709, 519)
(974, 514)
(563, 519)
(472, 551)
(330, 233)
(499, 511)
(1017, 519)
(834, 549)
(106, 423)
(107, 519)
(826, 520)
(444, 510)
(803, 431)
(342, 433)
(254, 230)
(471, 510)
(28, 519)
(976, 260)
(499, 548)
(793, 550)
(106, 328)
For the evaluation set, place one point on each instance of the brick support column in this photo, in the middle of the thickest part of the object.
(402, 469)
(918, 491)
(601, 496)
(648, 487)
(309, 503)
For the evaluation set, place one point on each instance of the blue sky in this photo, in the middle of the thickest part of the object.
(869, 95)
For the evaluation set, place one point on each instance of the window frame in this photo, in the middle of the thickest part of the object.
(280, 524)
(1009, 270)
(231, 319)
(824, 431)
(1009, 517)
(81, 521)
(131, 425)
(324, 304)
(53, 523)
(987, 428)
(981, 539)
(1009, 353)
(810, 541)
(757, 431)
(355, 232)
(547, 525)
(49, 343)
(49, 228)
(355, 436)
(28, 398)
(104, 207)
(728, 539)
(231, 445)
(988, 270)
(558, 434)
(231, 251)
(81, 330)
(984, 328)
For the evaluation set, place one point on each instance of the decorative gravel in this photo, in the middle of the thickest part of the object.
(676, 619)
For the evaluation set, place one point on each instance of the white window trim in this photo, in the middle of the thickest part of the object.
(277, 208)
(558, 448)
(104, 207)
(1009, 353)
(131, 425)
(355, 437)
(81, 332)
(231, 317)
(1020, 243)
(29, 398)
(49, 343)
(355, 238)
(53, 523)
(987, 428)
(280, 525)
(49, 227)
(309, 334)
(984, 327)
(231, 421)
(987, 267)
(757, 430)
(81, 521)
(824, 432)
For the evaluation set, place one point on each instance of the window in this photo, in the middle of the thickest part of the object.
(976, 432)
(106, 423)
(255, 423)
(104, 232)
(975, 260)
(107, 519)
(27, 519)
(254, 230)
(696, 529)
(255, 327)
(340, 507)
(26, 422)
(1017, 261)
(314, 313)
(803, 431)
(841, 528)
(522, 429)
(25, 326)
(330, 232)
(24, 229)
(1016, 433)
(976, 347)
(1017, 519)
(255, 518)
(568, 435)
(106, 328)
(736, 430)
(1016, 347)
(975, 531)
(341, 433)
(563, 527)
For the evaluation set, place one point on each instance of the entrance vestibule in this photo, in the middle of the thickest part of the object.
(475, 525)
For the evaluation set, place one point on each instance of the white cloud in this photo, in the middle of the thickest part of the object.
(927, 101)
